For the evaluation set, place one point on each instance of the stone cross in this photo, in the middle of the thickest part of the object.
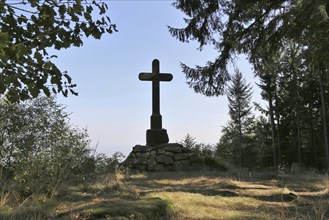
(156, 135)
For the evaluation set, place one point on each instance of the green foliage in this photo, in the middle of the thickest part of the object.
(236, 140)
(290, 83)
(41, 152)
(39, 149)
(255, 28)
(261, 153)
(286, 42)
(189, 142)
(30, 28)
(106, 165)
(255, 146)
(239, 95)
(204, 152)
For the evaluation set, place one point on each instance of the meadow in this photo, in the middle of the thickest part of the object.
(234, 194)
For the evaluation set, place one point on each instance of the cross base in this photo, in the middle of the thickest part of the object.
(156, 137)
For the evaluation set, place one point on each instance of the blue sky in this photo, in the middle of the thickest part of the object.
(115, 106)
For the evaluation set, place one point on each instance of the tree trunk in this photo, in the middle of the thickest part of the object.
(240, 139)
(324, 120)
(271, 112)
(299, 139)
(315, 157)
(278, 140)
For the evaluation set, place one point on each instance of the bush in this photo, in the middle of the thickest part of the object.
(205, 153)
(105, 164)
(39, 149)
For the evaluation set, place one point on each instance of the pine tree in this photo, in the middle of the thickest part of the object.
(295, 85)
(239, 95)
(248, 27)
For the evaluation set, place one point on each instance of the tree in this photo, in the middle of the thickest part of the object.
(189, 142)
(248, 26)
(29, 29)
(290, 83)
(294, 84)
(267, 70)
(262, 152)
(39, 149)
(239, 96)
(226, 146)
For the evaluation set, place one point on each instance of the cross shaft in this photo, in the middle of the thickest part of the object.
(155, 77)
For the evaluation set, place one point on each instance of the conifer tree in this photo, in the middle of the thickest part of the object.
(239, 95)
(248, 27)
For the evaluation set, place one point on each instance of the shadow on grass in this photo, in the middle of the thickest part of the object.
(286, 196)
(34, 210)
(234, 175)
(144, 208)
(152, 184)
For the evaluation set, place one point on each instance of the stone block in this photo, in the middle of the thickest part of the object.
(175, 148)
(160, 151)
(182, 165)
(144, 155)
(140, 167)
(185, 150)
(156, 136)
(140, 148)
(195, 159)
(159, 167)
(182, 156)
(170, 154)
(136, 161)
(151, 165)
(164, 159)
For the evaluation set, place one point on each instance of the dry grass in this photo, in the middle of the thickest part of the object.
(225, 195)
(239, 195)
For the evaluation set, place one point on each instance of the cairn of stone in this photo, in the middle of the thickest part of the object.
(158, 154)
(163, 157)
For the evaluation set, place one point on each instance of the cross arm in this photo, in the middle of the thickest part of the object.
(151, 76)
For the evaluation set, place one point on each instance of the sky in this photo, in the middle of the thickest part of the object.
(115, 106)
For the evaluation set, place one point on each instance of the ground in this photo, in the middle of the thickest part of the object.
(238, 194)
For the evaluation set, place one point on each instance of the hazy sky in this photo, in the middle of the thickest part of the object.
(115, 106)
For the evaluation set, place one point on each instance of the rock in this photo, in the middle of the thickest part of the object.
(136, 161)
(151, 165)
(161, 151)
(182, 156)
(176, 148)
(144, 161)
(145, 155)
(170, 154)
(195, 159)
(159, 167)
(140, 148)
(182, 165)
(164, 159)
(185, 150)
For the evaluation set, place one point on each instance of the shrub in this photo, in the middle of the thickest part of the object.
(39, 149)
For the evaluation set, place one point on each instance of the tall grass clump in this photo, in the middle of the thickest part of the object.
(41, 152)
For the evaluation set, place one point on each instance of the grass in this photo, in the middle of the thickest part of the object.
(192, 195)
